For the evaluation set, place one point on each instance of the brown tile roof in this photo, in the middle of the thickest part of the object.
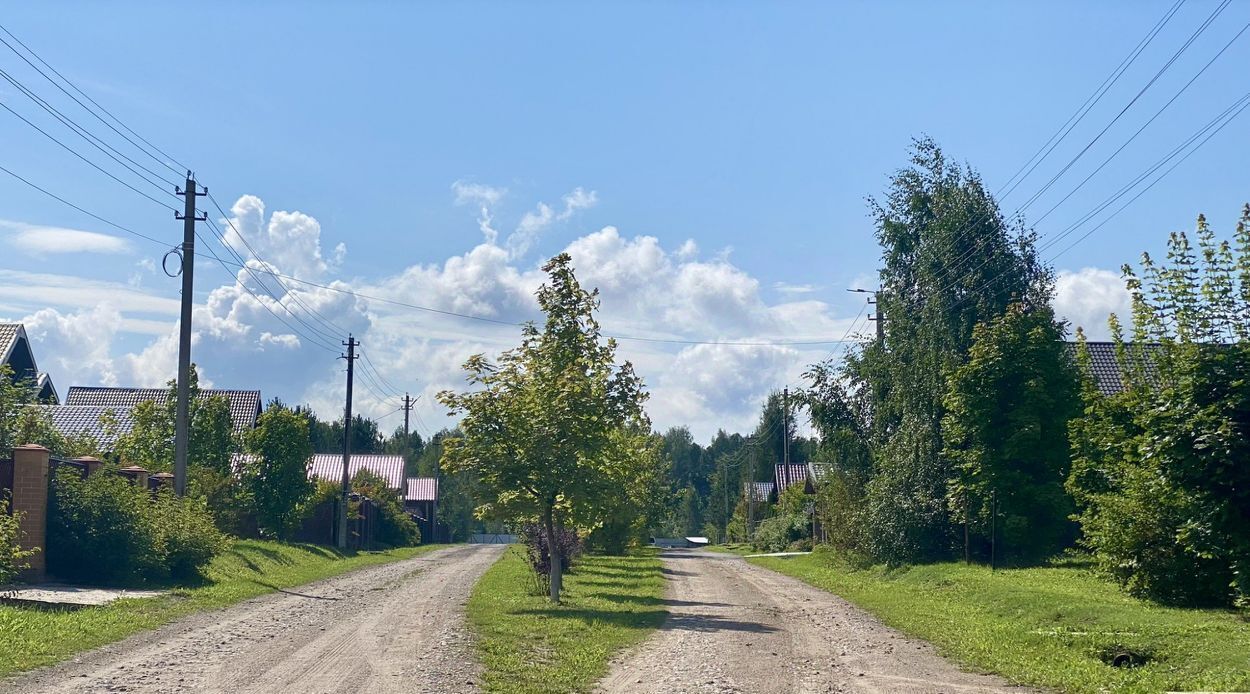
(244, 404)
(422, 489)
(329, 466)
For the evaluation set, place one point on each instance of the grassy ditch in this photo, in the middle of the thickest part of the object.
(526, 644)
(1061, 627)
(35, 637)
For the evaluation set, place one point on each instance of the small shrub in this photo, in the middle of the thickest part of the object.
(534, 537)
(12, 556)
(777, 533)
(188, 536)
(395, 527)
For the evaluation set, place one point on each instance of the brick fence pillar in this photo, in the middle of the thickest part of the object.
(30, 498)
(93, 464)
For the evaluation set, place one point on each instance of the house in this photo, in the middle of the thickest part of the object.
(421, 500)
(245, 405)
(16, 353)
(329, 466)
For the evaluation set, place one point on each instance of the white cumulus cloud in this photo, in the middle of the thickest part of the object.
(1087, 297)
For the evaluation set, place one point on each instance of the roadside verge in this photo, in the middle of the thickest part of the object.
(527, 645)
(1060, 627)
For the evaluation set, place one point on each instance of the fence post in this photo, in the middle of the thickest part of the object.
(93, 464)
(30, 498)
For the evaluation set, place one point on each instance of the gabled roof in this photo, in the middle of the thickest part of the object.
(80, 420)
(818, 472)
(329, 466)
(422, 489)
(244, 404)
(757, 491)
(1105, 367)
(787, 475)
(9, 332)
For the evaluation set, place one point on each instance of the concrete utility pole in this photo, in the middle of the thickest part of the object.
(347, 439)
(407, 409)
(880, 317)
(785, 426)
(182, 410)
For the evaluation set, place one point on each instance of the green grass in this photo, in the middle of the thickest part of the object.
(528, 645)
(1043, 626)
(34, 637)
(738, 548)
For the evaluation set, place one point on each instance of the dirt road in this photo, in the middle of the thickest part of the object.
(393, 628)
(736, 627)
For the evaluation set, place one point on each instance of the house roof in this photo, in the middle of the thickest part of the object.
(329, 466)
(9, 332)
(1105, 367)
(84, 420)
(422, 489)
(762, 490)
(244, 404)
(787, 475)
(818, 472)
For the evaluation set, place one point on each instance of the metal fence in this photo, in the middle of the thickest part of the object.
(6, 477)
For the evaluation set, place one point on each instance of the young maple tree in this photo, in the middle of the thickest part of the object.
(544, 427)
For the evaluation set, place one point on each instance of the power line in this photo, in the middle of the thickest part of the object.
(967, 255)
(93, 101)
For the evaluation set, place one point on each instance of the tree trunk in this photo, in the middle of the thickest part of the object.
(553, 551)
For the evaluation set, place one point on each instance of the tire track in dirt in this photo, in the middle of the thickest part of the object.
(737, 627)
(392, 628)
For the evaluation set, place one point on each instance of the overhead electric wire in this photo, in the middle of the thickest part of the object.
(378, 374)
(91, 138)
(94, 165)
(1144, 125)
(967, 255)
(93, 101)
(1075, 119)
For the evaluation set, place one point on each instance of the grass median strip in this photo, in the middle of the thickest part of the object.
(33, 637)
(528, 645)
(1061, 627)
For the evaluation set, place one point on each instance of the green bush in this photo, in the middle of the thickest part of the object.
(187, 534)
(776, 534)
(395, 527)
(12, 556)
(105, 529)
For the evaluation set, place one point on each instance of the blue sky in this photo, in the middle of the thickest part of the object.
(753, 130)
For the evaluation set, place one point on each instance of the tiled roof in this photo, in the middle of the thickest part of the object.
(8, 336)
(762, 490)
(422, 489)
(818, 471)
(79, 420)
(787, 475)
(1105, 367)
(329, 466)
(244, 404)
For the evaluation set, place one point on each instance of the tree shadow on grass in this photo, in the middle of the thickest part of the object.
(648, 600)
(652, 619)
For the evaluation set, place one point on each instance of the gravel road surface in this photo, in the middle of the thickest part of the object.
(397, 627)
(736, 627)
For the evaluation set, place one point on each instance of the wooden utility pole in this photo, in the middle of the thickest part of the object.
(347, 440)
(182, 411)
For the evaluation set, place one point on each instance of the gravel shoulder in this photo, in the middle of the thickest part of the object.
(392, 628)
(737, 627)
